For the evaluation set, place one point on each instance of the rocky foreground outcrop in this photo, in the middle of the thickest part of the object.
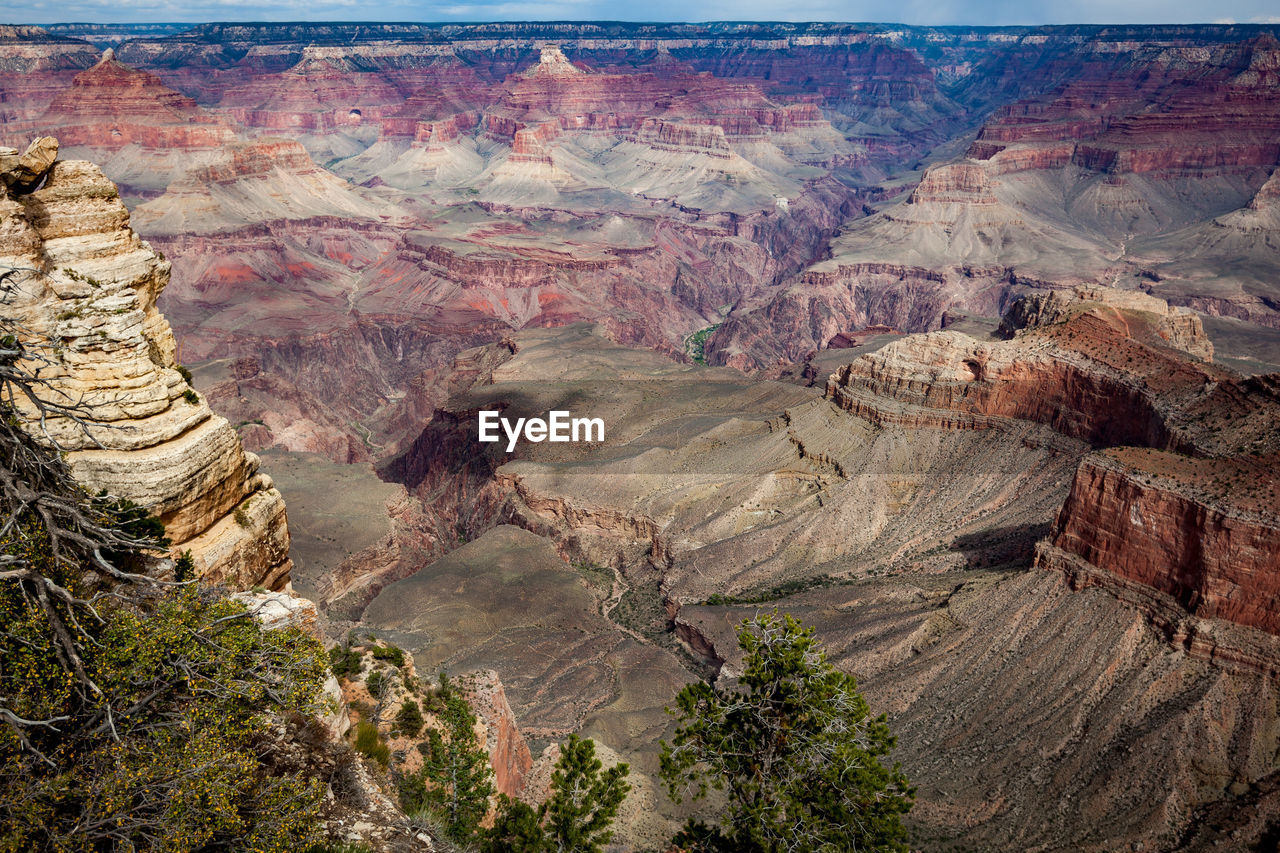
(84, 291)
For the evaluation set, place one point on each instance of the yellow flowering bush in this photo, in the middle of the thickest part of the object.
(138, 716)
(168, 757)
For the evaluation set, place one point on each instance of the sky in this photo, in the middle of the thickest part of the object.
(936, 12)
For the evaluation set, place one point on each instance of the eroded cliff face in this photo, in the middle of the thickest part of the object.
(85, 294)
(906, 531)
(1179, 508)
(1099, 365)
(1153, 518)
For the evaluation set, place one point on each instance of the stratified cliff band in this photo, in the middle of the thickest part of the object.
(84, 288)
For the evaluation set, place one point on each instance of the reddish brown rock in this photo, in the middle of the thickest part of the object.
(325, 91)
(1187, 500)
(112, 105)
(35, 66)
(1204, 531)
(1218, 113)
(959, 183)
(508, 752)
(1162, 323)
(414, 539)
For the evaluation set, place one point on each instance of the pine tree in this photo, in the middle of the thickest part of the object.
(456, 779)
(516, 829)
(409, 720)
(577, 817)
(794, 747)
(584, 801)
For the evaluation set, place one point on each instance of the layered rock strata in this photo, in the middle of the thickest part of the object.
(1178, 510)
(112, 105)
(36, 65)
(1146, 516)
(85, 295)
(905, 539)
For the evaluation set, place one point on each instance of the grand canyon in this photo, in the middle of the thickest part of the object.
(961, 344)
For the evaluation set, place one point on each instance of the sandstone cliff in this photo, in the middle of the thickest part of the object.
(85, 292)
(1181, 501)
(905, 539)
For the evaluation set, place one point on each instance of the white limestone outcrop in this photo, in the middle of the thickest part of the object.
(85, 291)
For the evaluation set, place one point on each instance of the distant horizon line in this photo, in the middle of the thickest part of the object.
(609, 21)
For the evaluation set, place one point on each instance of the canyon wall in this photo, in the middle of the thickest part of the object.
(1138, 514)
(84, 293)
(1182, 497)
(900, 514)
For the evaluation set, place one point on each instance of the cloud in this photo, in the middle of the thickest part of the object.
(939, 12)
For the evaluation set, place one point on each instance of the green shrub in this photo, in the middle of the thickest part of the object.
(184, 373)
(517, 828)
(191, 396)
(697, 343)
(391, 654)
(135, 715)
(135, 522)
(369, 743)
(344, 661)
(184, 568)
(187, 771)
(409, 721)
(378, 682)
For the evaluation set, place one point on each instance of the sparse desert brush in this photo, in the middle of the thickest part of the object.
(369, 743)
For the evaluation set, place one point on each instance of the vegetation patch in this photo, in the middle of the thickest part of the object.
(370, 744)
(599, 578)
(696, 343)
(779, 591)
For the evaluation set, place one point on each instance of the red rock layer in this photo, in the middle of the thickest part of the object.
(451, 96)
(508, 752)
(675, 136)
(957, 183)
(35, 66)
(257, 158)
(1218, 110)
(864, 82)
(317, 95)
(112, 105)
(977, 386)
(823, 303)
(646, 107)
(1187, 500)
(529, 144)
(1196, 529)
(282, 292)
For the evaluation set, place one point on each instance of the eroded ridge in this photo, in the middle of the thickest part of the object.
(85, 292)
(1180, 494)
